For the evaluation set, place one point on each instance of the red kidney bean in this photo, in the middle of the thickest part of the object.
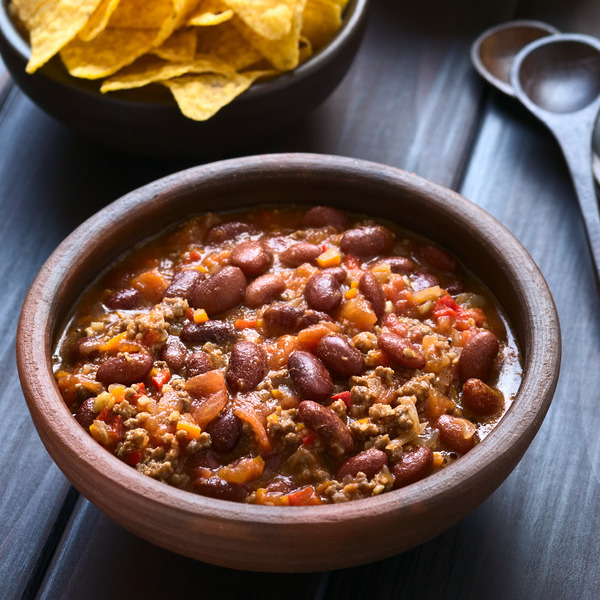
(298, 254)
(398, 264)
(371, 289)
(412, 466)
(327, 426)
(183, 283)
(205, 459)
(478, 355)
(322, 292)
(367, 241)
(85, 347)
(225, 432)
(457, 433)
(282, 318)
(253, 258)
(126, 299)
(85, 414)
(422, 280)
(218, 332)
(340, 356)
(198, 363)
(222, 291)
(338, 272)
(455, 287)
(174, 353)
(247, 366)
(324, 216)
(436, 258)
(311, 379)
(480, 398)
(264, 289)
(125, 368)
(369, 462)
(215, 487)
(227, 231)
(313, 317)
(401, 351)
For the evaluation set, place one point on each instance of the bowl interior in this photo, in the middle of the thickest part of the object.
(227, 533)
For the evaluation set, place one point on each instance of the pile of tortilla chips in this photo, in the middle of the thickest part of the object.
(206, 52)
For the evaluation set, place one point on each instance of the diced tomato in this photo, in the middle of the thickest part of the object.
(114, 422)
(133, 458)
(161, 377)
(304, 497)
(351, 262)
(346, 397)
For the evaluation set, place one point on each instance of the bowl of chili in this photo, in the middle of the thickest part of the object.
(228, 533)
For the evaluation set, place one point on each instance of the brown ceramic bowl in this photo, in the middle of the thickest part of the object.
(291, 538)
(147, 121)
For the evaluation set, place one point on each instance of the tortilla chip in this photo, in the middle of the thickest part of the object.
(209, 12)
(322, 19)
(99, 20)
(283, 54)
(179, 47)
(201, 96)
(110, 51)
(226, 43)
(150, 69)
(271, 19)
(140, 14)
(52, 24)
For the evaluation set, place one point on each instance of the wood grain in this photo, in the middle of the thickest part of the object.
(411, 100)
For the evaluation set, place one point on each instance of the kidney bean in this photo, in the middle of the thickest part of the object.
(174, 353)
(338, 272)
(313, 317)
(369, 462)
(298, 254)
(457, 433)
(126, 299)
(205, 459)
(401, 351)
(183, 283)
(227, 231)
(311, 379)
(282, 318)
(398, 264)
(436, 258)
(371, 289)
(422, 280)
(253, 258)
(367, 241)
(218, 332)
(85, 414)
(85, 347)
(198, 363)
(247, 366)
(220, 292)
(480, 398)
(327, 426)
(125, 368)
(322, 292)
(477, 356)
(264, 289)
(412, 466)
(215, 487)
(225, 432)
(324, 216)
(340, 356)
(455, 287)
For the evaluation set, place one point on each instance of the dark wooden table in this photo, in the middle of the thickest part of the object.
(411, 100)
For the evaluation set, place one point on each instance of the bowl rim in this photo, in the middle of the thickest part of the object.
(69, 441)
(353, 18)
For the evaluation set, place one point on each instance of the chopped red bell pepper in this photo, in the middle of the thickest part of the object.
(163, 376)
(345, 396)
(304, 497)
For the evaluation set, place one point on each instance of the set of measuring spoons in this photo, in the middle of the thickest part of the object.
(556, 76)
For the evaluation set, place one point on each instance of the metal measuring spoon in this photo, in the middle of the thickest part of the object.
(494, 51)
(558, 79)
